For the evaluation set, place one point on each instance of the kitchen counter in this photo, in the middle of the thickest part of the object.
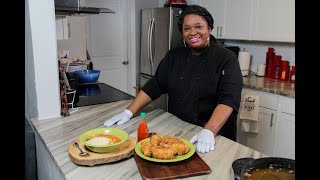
(53, 137)
(283, 88)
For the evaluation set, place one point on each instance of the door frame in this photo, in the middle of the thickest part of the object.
(131, 47)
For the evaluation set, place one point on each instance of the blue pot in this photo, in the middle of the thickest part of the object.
(87, 76)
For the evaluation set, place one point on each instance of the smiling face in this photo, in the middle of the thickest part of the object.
(195, 31)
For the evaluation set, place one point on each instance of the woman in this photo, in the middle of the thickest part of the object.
(203, 82)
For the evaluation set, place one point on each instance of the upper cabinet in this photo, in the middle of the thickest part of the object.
(62, 28)
(273, 20)
(261, 20)
(217, 9)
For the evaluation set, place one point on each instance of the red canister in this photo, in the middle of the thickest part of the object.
(270, 56)
(284, 70)
(292, 74)
(276, 67)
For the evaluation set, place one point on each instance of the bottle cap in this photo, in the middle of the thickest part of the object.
(143, 114)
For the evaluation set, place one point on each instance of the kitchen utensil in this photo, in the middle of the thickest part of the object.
(123, 135)
(292, 74)
(276, 67)
(82, 153)
(270, 57)
(284, 70)
(193, 166)
(87, 76)
(237, 166)
(272, 163)
(125, 150)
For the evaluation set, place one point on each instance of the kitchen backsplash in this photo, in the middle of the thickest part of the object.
(258, 51)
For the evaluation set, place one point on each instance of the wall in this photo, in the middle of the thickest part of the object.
(258, 51)
(31, 109)
(41, 75)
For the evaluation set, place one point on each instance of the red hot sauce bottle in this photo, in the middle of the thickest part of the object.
(143, 131)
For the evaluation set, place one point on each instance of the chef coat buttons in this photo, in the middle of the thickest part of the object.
(188, 59)
(195, 98)
(181, 77)
(178, 99)
(198, 78)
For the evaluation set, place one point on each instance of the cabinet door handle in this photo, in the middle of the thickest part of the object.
(69, 31)
(221, 31)
(218, 31)
(271, 122)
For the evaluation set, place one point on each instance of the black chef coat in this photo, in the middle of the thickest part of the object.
(197, 84)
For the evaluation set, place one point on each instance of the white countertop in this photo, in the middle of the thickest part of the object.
(58, 133)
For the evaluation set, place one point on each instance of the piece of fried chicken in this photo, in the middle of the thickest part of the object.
(161, 152)
(177, 145)
(146, 148)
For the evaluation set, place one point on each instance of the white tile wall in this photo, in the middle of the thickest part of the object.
(258, 51)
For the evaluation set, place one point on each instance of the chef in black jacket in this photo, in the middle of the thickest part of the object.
(203, 82)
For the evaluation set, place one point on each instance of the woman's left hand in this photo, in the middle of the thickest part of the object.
(205, 139)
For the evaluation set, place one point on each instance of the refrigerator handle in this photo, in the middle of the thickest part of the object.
(149, 40)
(151, 43)
(170, 27)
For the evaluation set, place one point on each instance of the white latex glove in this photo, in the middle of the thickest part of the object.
(121, 118)
(205, 139)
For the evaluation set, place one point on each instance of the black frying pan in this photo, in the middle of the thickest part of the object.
(243, 165)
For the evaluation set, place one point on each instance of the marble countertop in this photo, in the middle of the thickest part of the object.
(283, 88)
(58, 133)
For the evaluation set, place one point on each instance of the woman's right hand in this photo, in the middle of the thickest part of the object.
(120, 118)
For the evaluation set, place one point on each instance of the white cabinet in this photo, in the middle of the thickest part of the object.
(237, 18)
(263, 141)
(262, 20)
(232, 18)
(284, 145)
(273, 20)
(217, 10)
(276, 134)
(62, 28)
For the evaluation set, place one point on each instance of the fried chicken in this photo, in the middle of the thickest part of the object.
(166, 147)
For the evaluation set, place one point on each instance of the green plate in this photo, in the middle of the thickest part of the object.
(176, 159)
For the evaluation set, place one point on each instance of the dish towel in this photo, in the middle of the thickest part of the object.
(249, 114)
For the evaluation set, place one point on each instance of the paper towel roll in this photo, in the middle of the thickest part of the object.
(244, 61)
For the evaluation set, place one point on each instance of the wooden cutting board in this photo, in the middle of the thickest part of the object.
(192, 166)
(125, 150)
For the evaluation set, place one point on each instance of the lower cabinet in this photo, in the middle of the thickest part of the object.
(276, 126)
(263, 141)
(284, 144)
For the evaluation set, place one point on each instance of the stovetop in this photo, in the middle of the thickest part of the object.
(98, 93)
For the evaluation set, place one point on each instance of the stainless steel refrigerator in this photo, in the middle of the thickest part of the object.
(159, 33)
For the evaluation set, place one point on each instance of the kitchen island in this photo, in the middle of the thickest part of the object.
(54, 136)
